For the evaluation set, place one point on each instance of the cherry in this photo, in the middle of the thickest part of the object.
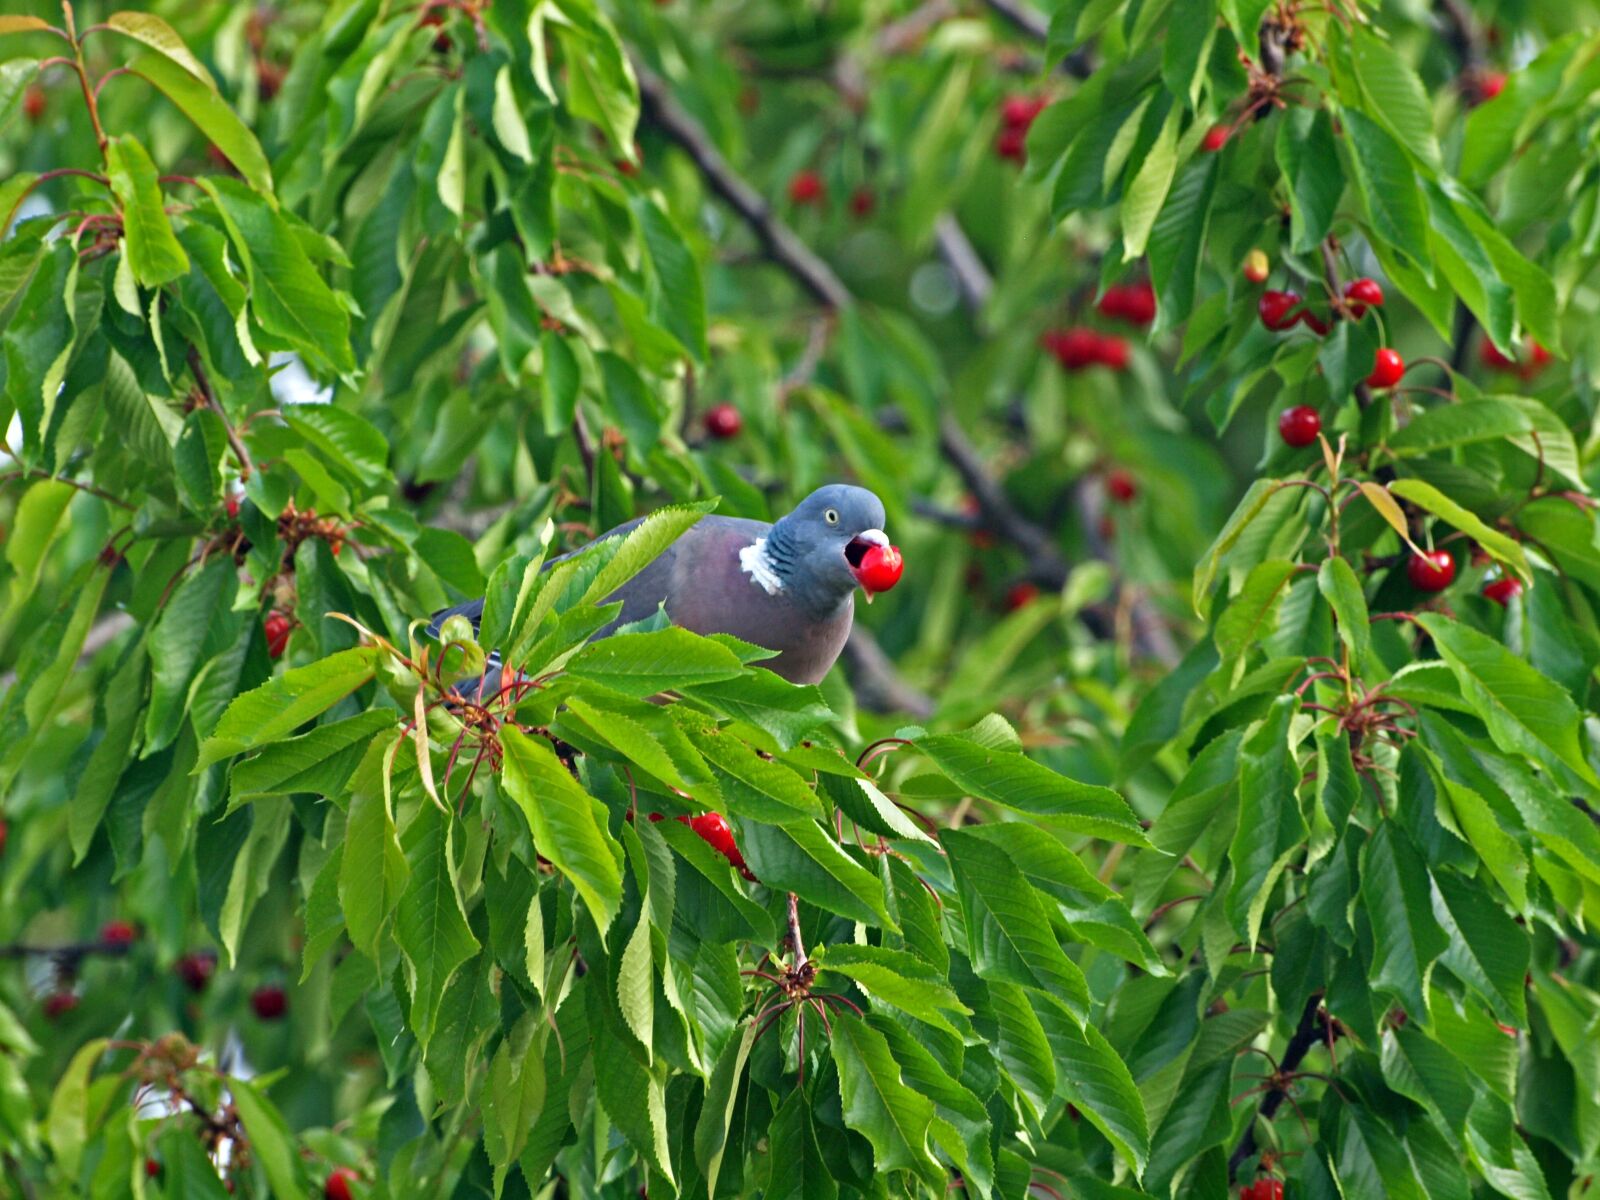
(1503, 590)
(269, 1002)
(1277, 310)
(862, 201)
(118, 934)
(33, 103)
(1120, 484)
(231, 505)
(1113, 353)
(1387, 368)
(1538, 359)
(1431, 571)
(195, 970)
(277, 630)
(806, 188)
(723, 421)
(1012, 144)
(1360, 294)
(714, 831)
(1134, 303)
(1264, 1188)
(338, 1184)
(880, 569)
(1021, 110)
(1256, 266)
(4, 831)
(1021, 595)
(152, 1169)
(1491, 357)
(59, 1004)
(1299, 426)
(1216, 138)
(1491, 85)
(1074, 348)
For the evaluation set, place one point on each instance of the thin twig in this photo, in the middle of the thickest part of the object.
(202, 381)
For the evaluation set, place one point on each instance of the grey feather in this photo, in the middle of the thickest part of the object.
(705, 585)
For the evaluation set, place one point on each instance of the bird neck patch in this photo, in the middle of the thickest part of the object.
(754, 561)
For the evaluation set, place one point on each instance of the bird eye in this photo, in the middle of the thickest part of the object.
(831, 516)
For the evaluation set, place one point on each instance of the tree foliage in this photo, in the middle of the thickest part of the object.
(1212, 806)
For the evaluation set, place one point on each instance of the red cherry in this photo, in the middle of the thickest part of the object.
(1074, 348)
(1121, 486)
(231, 505)
(1021, 110)
(1276, 310)
(1021, 595)
(118, 934)
(1134, 303)
(58, 1004)
(1012, 144)
(1491, 85)
(339, 1182)
(723, 421)
(1491, 357)
(152, 1168)
(1299, 426)
(880, 569)
(1257, 266)
(1361, 294)
(1538, 359)
(1387, 368)
(1216, 138)
(269, 1002)
(806, 188)
(1503, 590)
(4, 831)
(1313, 322)
(33, 103)
(1431, 571)
(714, 831)
(277, 630)
(195, 970)
(1112, 352)
(862, 201)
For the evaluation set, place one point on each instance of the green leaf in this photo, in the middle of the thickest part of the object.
(1019, 783)
(1389, 189)
(1252, 614)
(1417, 1066)
(1525, 713)
(320, 761)
(287, 295)
(1407, 938)
(786, 711)
(1147, 189)
(199, 101)
(1009, 935)
(636, 993)
(1092, 1076)
(509, 127)
(270, 1142)
(802, 859)
(158, 35)
(1337, 581)
(66, 1125)
(559, 382)
(642, 545)
(1271, 827)
(1488, 950)
(278, 707)
(642, 664)
(567, 824)
(1496, 543)
(514, 1092)
(152, 248)
(178, 642)
(677, 295)
(1395, 95)
(754, 787)
(877, 1103)
(1486, 419)
(430, 925)
(722, 1090)
(895, 977)
(799, 1171)
(1248, 509)
(347, 440)
(1308, 156)
(601, 86)
(373, 871)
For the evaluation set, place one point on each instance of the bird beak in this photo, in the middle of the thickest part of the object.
(857, 549)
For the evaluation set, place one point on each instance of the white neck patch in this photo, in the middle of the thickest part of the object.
(755, 563)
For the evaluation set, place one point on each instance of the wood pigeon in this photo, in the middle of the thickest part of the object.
(788, 587)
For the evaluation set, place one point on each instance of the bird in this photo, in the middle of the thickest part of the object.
(788, 586)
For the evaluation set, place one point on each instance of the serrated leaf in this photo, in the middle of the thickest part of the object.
(1428, 497)
(199, 101)
(802, 859)
(877, 1103)
(1407, 938)
(152, 248)
(280, 706)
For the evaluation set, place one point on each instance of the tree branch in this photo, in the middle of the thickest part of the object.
(878, 684)
(1305, 1036)
(780, 242)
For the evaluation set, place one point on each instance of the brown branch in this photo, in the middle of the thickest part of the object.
(1306, 1035)
(1045, 564)
(203, 382)
(782, 245)
(959, 254)
(878, 685)
(1024, 16)
(795, 943)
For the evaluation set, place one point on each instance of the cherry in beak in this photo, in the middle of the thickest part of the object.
(874, 562)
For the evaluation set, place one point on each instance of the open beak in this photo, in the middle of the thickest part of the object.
(857, 549)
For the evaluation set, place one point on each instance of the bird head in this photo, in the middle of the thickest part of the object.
(818, 548)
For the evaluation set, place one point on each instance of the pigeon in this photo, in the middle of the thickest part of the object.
(788, 587)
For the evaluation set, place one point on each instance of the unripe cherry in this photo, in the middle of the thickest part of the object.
(1257, 266)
